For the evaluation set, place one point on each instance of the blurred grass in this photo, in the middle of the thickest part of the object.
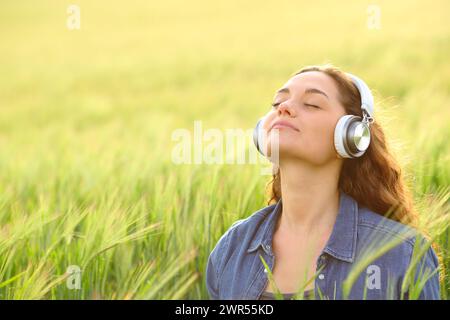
(86, 176)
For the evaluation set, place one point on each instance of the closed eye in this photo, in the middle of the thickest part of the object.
(274, 105)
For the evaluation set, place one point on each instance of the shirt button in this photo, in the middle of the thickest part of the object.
(265, 270)
(321, 276)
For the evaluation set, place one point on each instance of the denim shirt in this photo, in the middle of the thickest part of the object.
(235, 271)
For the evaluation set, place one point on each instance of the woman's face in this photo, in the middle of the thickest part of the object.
(309, 107)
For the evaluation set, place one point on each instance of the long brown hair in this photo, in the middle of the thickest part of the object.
(375, 179)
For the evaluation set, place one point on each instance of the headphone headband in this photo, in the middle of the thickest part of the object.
(365, 93)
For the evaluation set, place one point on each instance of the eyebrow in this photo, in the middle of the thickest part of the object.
(308, 90)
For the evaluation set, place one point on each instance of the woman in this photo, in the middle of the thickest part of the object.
(340, 222)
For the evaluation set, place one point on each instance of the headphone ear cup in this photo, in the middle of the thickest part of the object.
(351, 137)
(340, 135)
(257, 135)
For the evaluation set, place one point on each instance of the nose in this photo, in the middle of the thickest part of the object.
(285, 108)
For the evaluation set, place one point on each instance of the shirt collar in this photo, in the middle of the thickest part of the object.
(342, 242)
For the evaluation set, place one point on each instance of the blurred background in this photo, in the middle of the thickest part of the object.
(91, 92)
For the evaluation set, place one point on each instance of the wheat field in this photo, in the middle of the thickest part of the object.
(87, 177)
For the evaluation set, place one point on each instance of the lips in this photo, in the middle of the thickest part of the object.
(283, 124)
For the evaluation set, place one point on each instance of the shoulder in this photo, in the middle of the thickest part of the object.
(400, 241)
(373, 224)
(405, 250)
(235, 238)
(239, 234)
(251, 222)
(245, 226)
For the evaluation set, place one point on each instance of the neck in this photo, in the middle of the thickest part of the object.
(310, 197)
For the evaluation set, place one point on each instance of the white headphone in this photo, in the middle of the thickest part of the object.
(351, 134)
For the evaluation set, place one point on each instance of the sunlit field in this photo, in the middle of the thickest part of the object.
(87, 177)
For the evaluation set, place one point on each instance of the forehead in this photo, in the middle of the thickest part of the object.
(312, 79)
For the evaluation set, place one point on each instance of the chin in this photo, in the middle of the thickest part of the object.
(285, 147)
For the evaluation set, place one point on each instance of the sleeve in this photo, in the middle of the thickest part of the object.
(215, 262)
(424, 283)
(212, 283)
(428, 268)
(213, 265)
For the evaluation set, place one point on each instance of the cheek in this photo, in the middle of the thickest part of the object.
(317, 138)
(325, 133)
(268, 119)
